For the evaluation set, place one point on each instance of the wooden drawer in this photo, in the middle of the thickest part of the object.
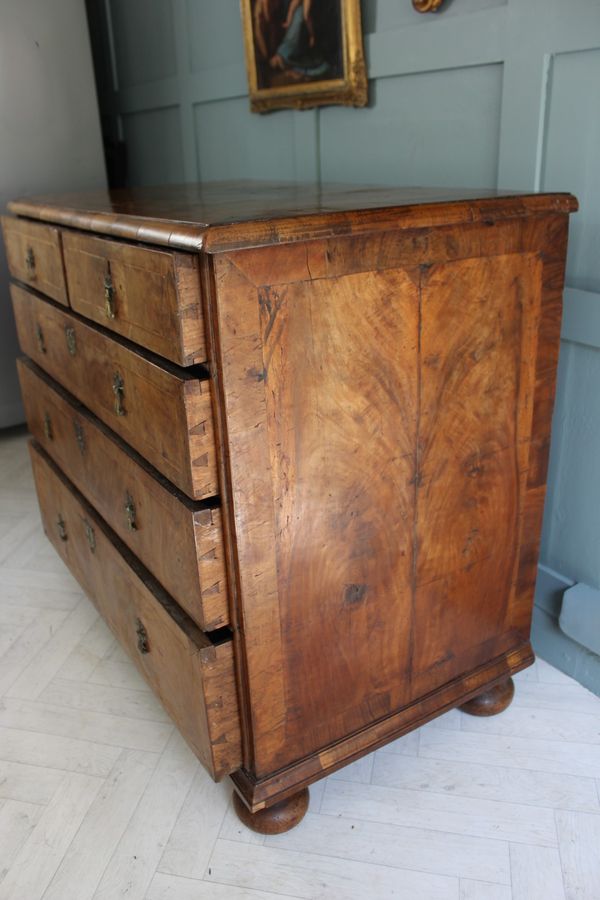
(34, 256)
(180, 543)
(150, 296)
(162, 411)
(192, 673)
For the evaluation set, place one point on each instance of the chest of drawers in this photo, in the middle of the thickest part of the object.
(293, 444)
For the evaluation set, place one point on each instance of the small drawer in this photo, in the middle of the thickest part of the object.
(34, 256)
(163, 412)
(150, 296)
(178, 540)
(192, 673)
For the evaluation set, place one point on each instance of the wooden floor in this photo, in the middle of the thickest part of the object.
(100, 797)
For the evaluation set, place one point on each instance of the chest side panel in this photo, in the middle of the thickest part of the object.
(386, 419)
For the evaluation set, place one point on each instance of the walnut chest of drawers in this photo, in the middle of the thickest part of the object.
(293, 444)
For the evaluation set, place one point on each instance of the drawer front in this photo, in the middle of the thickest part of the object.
(34, 256)
(180, 544)
(163, 412)
(150, 296)
(193, 676)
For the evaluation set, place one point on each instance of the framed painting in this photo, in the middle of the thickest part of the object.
(303, 53)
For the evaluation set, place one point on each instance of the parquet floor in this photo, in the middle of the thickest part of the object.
(101, 798)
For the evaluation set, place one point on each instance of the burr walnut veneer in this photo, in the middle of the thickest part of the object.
(293, 444)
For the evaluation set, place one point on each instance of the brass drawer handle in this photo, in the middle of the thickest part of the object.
(130, 513)
(30, 262)
(90, 535)
(109, 295)
(62, 527)
(71, 340)
(39, 335)
(79, 436)
(142, 637)
(118, 387)
(48, 427)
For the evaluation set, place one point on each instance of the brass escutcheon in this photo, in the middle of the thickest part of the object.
(30, 262)
(90, 535)
(39, 334)
(109, 295)
(79, 436)
(130, 513)
(118, 387)
(62, 527)
(71, 340)
(142, 636)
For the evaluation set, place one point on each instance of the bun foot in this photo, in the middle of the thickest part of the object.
(274, 819)
(491, 702)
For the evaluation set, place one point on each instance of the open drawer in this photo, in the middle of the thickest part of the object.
(34, 256)
(141, 506)
(148, 295)
(165, 413)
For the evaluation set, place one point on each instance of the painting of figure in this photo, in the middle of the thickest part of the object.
(297, 40)
(303, 53)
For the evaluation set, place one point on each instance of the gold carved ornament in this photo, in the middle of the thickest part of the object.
(425, 6)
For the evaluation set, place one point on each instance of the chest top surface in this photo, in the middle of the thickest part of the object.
(225, 215)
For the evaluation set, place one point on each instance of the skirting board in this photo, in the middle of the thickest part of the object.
(552, 644)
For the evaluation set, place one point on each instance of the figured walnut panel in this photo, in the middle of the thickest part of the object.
(478, 344)
(341, 432)
(374, 410)
(193, 677)
(165, 413)
(180, 544)
(321, 420)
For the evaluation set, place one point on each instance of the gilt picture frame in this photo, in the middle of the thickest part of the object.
(303, 53)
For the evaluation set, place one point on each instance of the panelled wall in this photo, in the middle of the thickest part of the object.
(485, 93)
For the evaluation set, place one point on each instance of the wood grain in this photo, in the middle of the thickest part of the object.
(192, 676)
(167, 414)
(381, 367)
(492, 701)
(275, 819)
(478, 339)
(34, 256)
(341, 443)
(180, 542)
(228, 215)
(155, 296)
(274, 786)
(326, 377)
